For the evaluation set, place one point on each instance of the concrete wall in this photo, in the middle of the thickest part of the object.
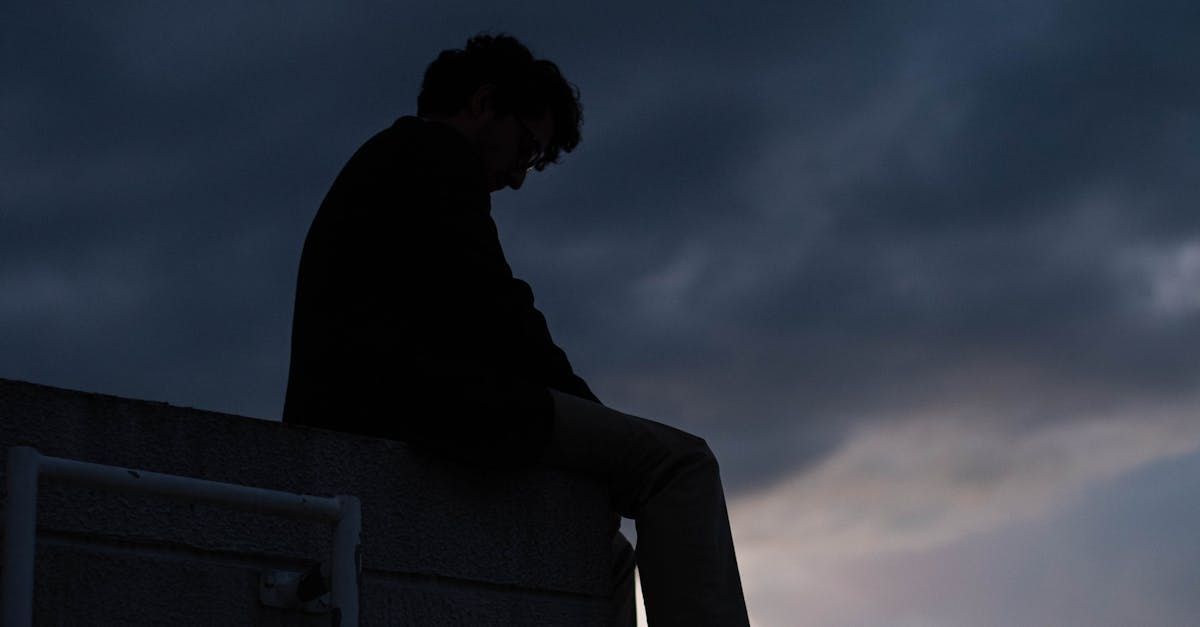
(441, 544)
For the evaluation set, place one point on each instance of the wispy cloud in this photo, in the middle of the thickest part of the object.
(904, 492)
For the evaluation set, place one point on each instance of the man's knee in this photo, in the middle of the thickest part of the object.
(693, 450)
(663, 455)
(684, 453)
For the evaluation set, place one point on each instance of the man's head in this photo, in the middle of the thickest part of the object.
(519, 111)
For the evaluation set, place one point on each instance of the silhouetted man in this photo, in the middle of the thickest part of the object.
(409, 325)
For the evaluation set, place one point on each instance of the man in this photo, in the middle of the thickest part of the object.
(406, 306)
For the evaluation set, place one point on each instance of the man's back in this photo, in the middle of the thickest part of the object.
(408, 323)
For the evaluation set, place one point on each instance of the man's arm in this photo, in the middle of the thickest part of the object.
(550, 360)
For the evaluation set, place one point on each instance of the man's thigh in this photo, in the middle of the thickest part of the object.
(630, 453)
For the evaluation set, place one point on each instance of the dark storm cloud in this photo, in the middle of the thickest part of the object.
(1042, 121)
(977, 227)
(1012, 235)
(136, 203)
(784, 217)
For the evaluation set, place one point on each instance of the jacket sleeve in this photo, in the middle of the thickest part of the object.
(550, 360)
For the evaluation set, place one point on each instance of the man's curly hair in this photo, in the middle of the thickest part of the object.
(522, 85)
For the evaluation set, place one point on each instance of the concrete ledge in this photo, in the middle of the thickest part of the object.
(442, 544)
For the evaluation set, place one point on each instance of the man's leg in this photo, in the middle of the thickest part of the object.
(624, 602)
(668, 482)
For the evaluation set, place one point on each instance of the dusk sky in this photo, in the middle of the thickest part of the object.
(926, 275)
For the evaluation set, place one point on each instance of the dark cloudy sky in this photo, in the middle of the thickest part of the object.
(926, 275)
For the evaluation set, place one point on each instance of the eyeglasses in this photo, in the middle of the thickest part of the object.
(530, 140)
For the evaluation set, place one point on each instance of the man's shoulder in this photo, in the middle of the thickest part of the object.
(408, 129)
(428, 136)
(427, 149)
(406, 136)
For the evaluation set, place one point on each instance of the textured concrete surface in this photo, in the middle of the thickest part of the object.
(442, 544)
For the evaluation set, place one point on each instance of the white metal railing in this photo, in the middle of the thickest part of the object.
(25, 464)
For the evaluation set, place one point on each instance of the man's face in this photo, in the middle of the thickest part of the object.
(510, 144)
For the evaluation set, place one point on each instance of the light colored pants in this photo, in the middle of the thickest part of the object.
(668, 482)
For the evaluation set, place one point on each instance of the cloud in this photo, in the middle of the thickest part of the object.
(1167, 281)
(782, 220)
(938, 521)
(929, 481)
(924, 276)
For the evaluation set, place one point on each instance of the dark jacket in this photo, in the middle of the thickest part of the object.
(408, 322)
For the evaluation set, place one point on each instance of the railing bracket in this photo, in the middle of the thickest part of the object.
(306, 592)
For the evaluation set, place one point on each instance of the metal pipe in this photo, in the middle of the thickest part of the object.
(190, 488)
(20, 529)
